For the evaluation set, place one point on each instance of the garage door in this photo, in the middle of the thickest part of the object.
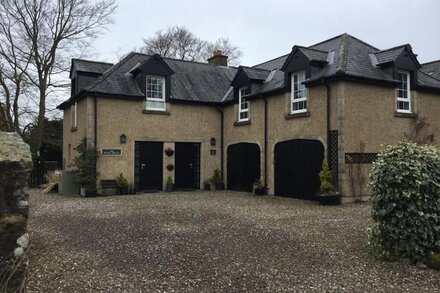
(243, 166)
(297, 166)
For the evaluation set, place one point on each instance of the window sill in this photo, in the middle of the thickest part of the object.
(405, 115)
(73, 129)
(158, 112)
(297, 115)
(239, 123)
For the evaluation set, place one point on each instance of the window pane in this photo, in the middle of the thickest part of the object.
(155, 105)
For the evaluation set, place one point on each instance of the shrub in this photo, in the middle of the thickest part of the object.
(405, 183)
(122, 181)
(85, 162)
(169, 180)
(216, 177)
(326, 178)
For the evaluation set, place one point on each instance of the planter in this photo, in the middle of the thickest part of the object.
(330, 200)
(169, 187)
(207, 186)
(260, 191)
(87, 192)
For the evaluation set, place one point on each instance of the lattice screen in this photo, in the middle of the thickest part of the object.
(360, 158)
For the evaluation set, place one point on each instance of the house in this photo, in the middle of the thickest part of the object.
(340, 99)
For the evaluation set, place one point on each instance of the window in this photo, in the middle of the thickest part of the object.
(243, 104)
(404, 93)
(74, 110)
(155, 93)
(298, 100)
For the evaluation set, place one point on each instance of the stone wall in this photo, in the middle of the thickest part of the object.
(15, 167)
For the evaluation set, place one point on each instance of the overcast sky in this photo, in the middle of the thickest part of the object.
(268, 29)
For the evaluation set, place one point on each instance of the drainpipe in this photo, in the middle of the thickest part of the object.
(95, 122)
(265, 138)
(329, 92)
(220, 110)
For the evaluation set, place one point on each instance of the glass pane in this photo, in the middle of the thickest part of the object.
(155, 105)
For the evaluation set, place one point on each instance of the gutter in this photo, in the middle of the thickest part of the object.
(222, 169)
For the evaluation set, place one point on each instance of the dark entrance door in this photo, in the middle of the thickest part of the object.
(297, 166)
(187, 165)
(148, 166)
(243, 166)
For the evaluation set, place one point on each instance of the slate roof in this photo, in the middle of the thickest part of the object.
(313, 54)
(202, 82)
(91, 66)
(432, 68)
(255, 73)
(389, 54)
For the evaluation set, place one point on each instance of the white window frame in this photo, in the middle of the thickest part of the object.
(242, 100)
(408, 89)
(155, 99)
(74, 115)
(302, 87)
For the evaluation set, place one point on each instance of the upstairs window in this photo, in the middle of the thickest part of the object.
(74, 117)
(155, 93)
(298, 100)
(404, 93)
(243, 104)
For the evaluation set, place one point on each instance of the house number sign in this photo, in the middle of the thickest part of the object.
(111, 152)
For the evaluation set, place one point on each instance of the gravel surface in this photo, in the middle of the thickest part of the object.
(205, 242)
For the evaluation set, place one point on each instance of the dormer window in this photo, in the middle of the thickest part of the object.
(404, 92)
(155, 93)
(243, 104)
(298, 100)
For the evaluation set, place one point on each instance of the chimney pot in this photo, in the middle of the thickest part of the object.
(218, 58)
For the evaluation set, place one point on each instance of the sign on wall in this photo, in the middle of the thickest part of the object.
(111, 152)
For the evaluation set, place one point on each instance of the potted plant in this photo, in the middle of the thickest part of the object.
(123, 184)
(216, 180)
(85, 174)
(259, 188)
(328, 194)
(170, 184)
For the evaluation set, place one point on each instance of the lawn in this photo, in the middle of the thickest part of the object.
(207, 241)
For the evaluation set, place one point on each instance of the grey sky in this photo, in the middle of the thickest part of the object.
(268, 29)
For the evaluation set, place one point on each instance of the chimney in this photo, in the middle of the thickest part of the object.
(218, 58)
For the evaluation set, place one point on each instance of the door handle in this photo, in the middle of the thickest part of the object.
(142, 166)
(190, 165)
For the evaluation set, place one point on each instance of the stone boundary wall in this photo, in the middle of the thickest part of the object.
(15, 167)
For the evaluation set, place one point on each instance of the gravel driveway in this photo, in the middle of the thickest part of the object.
(207, 241)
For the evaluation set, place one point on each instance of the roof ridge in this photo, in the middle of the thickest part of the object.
(261, 69)
(110, 71)
(91, 61)
(313, 49)
(270, 60)
(180, 60)
(430, 62)
(389, 49)
(343, 52)
(347, 35)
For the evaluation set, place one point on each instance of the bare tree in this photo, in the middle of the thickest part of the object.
(178, 42)
(43, 34)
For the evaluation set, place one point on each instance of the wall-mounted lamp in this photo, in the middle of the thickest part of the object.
(123, 138)
(213, 141)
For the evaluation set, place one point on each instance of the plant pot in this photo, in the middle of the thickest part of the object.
(260, 191)
(87, 192)
(169, 188)
(330, 200)
(123, 190)
(207, 186)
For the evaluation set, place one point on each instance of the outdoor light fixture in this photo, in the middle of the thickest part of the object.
(213, 142)
(123, 138)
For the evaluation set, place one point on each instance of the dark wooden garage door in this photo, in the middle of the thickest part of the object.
(243, 166)
(297, 166)
(148, 166)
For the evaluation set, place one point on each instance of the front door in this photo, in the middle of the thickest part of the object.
(243, 166)
(187, 165)
(148, 166)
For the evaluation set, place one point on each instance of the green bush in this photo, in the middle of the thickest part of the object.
(405, 183)
(122, 181)
(326, 178)
(85, 174)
